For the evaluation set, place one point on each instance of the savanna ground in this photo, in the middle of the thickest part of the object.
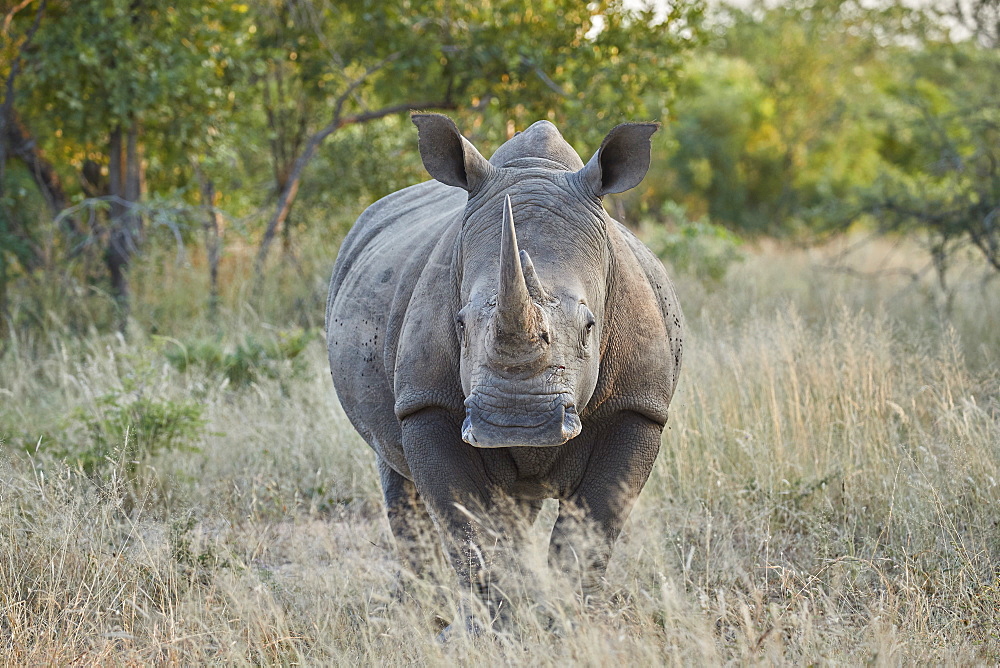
(827, 490)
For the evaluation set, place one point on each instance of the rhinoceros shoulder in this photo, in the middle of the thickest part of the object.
(390, 224)
(643, 341)
(658, 280)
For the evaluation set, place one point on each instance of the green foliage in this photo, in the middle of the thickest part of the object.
(567, 61)
(786, 118)
(942, 149)
(129, 427)
(101, 63)
(21, 207)
(772, 122)
(356, 158)
(500, 65)
(699, 248)
(246, 362)
(231, 93)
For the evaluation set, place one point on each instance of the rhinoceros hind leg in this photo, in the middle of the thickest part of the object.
(412, 529)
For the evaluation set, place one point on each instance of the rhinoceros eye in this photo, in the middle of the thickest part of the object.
(460, 323)
(589, 322)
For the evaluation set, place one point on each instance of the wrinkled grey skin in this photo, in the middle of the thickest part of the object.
(498, 339)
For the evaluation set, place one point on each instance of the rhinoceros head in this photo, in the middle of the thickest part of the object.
(532, 274)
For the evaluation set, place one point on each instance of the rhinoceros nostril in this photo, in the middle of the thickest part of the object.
(571, 426)
(467, 435)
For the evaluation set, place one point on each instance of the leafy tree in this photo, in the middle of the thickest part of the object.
(942, 152)
(772, 121)
(149, 76)
(558, 59)
(15, 237)
(126, 106)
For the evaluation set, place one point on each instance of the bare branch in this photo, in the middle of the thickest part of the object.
(292, 185)
(10, 15)
(546, 79)
(338, 105)
(881, 273)
(393, 109)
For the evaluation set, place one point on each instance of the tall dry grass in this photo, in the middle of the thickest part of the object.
(826, 493)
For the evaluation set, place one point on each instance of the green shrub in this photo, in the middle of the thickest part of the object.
(129, 428)
(700, 248)
(247, 361)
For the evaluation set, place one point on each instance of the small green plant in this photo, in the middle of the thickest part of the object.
(246, 362)
(132, 427)
(185, 551)
(700, 248)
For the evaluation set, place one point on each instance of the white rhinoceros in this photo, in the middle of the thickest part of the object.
(498, 339)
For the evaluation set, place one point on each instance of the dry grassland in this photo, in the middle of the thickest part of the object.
(827, 493)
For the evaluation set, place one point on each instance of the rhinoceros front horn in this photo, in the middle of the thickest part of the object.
(516, 313)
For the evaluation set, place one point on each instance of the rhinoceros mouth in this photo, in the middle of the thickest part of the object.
(531, 421)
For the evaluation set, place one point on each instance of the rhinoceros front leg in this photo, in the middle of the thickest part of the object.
(623, 452)
(450, 478)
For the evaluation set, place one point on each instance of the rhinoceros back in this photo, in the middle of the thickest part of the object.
(379, 263)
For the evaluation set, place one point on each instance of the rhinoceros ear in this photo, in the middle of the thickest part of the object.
(447, 155)
(622, 160)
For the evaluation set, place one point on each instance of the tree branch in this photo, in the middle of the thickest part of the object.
(10, 15)
(546, 79)
(291, 188)
(7, 108)
(338, 105)
(393, 109)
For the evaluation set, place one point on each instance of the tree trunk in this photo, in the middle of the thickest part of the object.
(11, 142)
(286, 223)
(286, 233)
(117, 253)
(18, 143)
(213, 235)
(7, 114)
(133, 184)
(285, 201)
(5, 332)
(125, 185)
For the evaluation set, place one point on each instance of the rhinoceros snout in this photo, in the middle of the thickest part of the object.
(540, 422)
